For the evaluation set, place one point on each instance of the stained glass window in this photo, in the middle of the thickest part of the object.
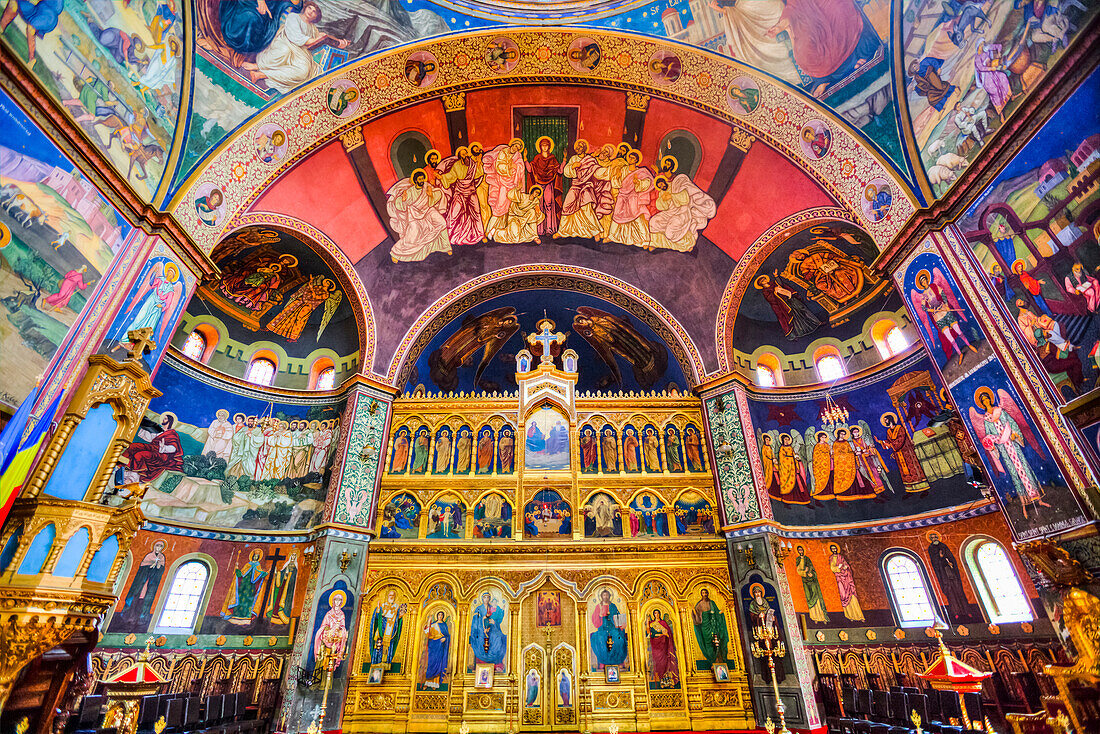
(912, 598)
(896, 341)
(326, 380)
(765, 377)
(830, 368)
(195, 346)
(261, 371)
(184, 597)
(998, 585)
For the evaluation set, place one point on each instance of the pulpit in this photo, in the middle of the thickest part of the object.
(948, 673)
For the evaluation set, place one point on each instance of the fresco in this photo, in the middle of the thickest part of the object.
(969, 65)
(1034, 231)
(58, 237)
(547, 517)
(509, 194)
(154, 302)
(546, 447)
(215, 458)
(760, 604)
(114, 67)
(818, 282)
(608, 623)
(1018, 464)
(273, 288)
(901, 449)
(615, 349)
(255, 589)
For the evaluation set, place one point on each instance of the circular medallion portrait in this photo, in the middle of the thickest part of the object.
(665, 67)
(584, 54)
(877, 198)
(421, 69)
(343, 98)
(816, 138)
(502, 55)
(210, 204)
(743, 95)
(271, 143)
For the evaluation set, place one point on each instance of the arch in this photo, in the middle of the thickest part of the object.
(189, 594)
(829, 363)
(407, 152)
(888, 337)
(771, 123)
(772, 375)
(194, 346)
(669, 673)
(497, 524)
(38, 550)
(73, 553)
(450, 622)
(85, 451)
(993, 574)
(99, 568)
(908, 588)
(263, 366)
(322, 367)
(684, 146)
(10, 548)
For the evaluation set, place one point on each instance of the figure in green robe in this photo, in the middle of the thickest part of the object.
(710, 630)
(673, 461)
(814, 601)
(240, 605)
(283, 584)
(420, 453)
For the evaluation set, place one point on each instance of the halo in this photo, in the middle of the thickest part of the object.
(870, 192)
(922, 273)
(754, 587)
(675, 163)
(174, 269)
(1018, 265)
(518, 140)
(278, 137)
(429, 153)
(239, 415)
(547, 138)
(412, 176)
(662, 177)
(983, 390)
(220, 412)
(930, 533)
(582, 141)
(332, 599)
(460, 150)
(760, 278)
(175, 418)
(882, 420)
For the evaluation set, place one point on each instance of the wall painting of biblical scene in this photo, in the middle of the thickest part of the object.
(546, 447)
(58, 237)
(217, 458)
(902, 439)
(1034, 232)
(547, 517)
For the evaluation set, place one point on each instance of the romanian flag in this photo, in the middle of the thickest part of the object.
(18, 464)
(13, 431)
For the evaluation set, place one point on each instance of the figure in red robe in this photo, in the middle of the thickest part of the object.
(545, 171)
(163, 453)
(69, 285)
(829, 38)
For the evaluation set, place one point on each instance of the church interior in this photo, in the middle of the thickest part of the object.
(641, 365)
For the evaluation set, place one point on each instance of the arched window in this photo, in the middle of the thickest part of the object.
(909, 591)
(765, 376)
(195, 346)
(889, 338)
(261, 371)
(326, 379)
(769, 373)
(896, 341)
(999, 587)
(829, 367)
(186, 593)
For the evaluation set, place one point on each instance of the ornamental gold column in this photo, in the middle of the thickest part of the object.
(68, 534)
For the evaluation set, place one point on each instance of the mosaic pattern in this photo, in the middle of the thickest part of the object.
(359, 470)
(735, 476)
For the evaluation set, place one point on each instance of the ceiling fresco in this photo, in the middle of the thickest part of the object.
(616, 349)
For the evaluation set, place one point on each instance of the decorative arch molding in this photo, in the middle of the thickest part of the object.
(739, 283)
(544, 275)
(341, 266)
(241, 176)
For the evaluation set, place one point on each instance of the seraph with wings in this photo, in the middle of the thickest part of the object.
(292, 320)
(932, 298)
(613, 336)
(486, 333)
(1002, 433)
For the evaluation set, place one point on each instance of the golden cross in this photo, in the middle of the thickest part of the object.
(141, 341)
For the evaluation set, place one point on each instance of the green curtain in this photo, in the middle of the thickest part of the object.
(555, 128)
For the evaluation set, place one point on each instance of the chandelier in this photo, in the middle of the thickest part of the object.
(832, 414)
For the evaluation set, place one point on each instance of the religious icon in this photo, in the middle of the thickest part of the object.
(343, 98)
(464, 447)
(421, 69)
(743, 95)
(532, 684)
(483, 678)
(420, 451)
(811, 586)
(493, 517)
(549, 609)
(665, 67)
(1004, 432)
(271, 143)
(877, 198)
(291, 321)
(693, 449)
(721, 673)
(435, 657)
(331, 639)
(651, 449)
(547, 517)
(795, 319)
(243, 601)
(442, 451)
(547, 443)
(611, 674)
(399, 464)
(609, 444)
(400, 517)
(584, 54)
(845, 584)
(815, 139)
(485, 450)
(210, 204)
(502, 55)
(602, 517)
(446, 518)
(281, 596)
(663, 666)
(632, 458)
(154, 302)
(385, 628)
(136, 612)
(589, 450)
(507, 450)
(710, 629)
(376, 673)
(607, 637)
(488, 638)
(565, 688)
(946, 570)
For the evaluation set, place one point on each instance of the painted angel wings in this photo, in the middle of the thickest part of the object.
(612, 336)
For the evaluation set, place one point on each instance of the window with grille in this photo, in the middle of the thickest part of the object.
(185, 595)
(909, 591)
(997, 583)
(261, 371)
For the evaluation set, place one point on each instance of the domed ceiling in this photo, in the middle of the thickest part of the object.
(733, 127)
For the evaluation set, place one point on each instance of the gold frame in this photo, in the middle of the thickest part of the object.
(483, 675)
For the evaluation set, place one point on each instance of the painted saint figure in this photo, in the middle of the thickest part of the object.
(331, 641)
(417, 212)
(545, 171)
(283, 583)
(608, 640)
(710, 629)
(385, 628)
(137, 608)
(487, 638)
(437, 650)
(164, 452)
(936, 304)
(946, 570)
(900, 442)
(815, 602)
(242, 603)
(845, 584)
(589, 450)
(795, 319)
(662, 651)
(70, 284)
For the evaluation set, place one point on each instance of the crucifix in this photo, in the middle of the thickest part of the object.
(274, 558)
(141, 343)
(545, 338)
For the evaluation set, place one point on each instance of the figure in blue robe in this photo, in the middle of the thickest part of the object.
(608, 641)
(437, 651)
(532, 687)
(246, 29)
(487, 639)
(565, 689)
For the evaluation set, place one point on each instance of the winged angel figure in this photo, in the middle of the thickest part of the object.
(1003, 431)
(292, 320)
(612, 336)
(489, 331)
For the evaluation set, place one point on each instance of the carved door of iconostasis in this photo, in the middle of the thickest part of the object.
(548, 661)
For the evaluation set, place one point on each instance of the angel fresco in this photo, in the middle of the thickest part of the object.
(614, 336)
(784, 467)
(153, 304)
(1003, 431)
(487, 332)
(663, 670)
(940, 313)
(291, 321)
